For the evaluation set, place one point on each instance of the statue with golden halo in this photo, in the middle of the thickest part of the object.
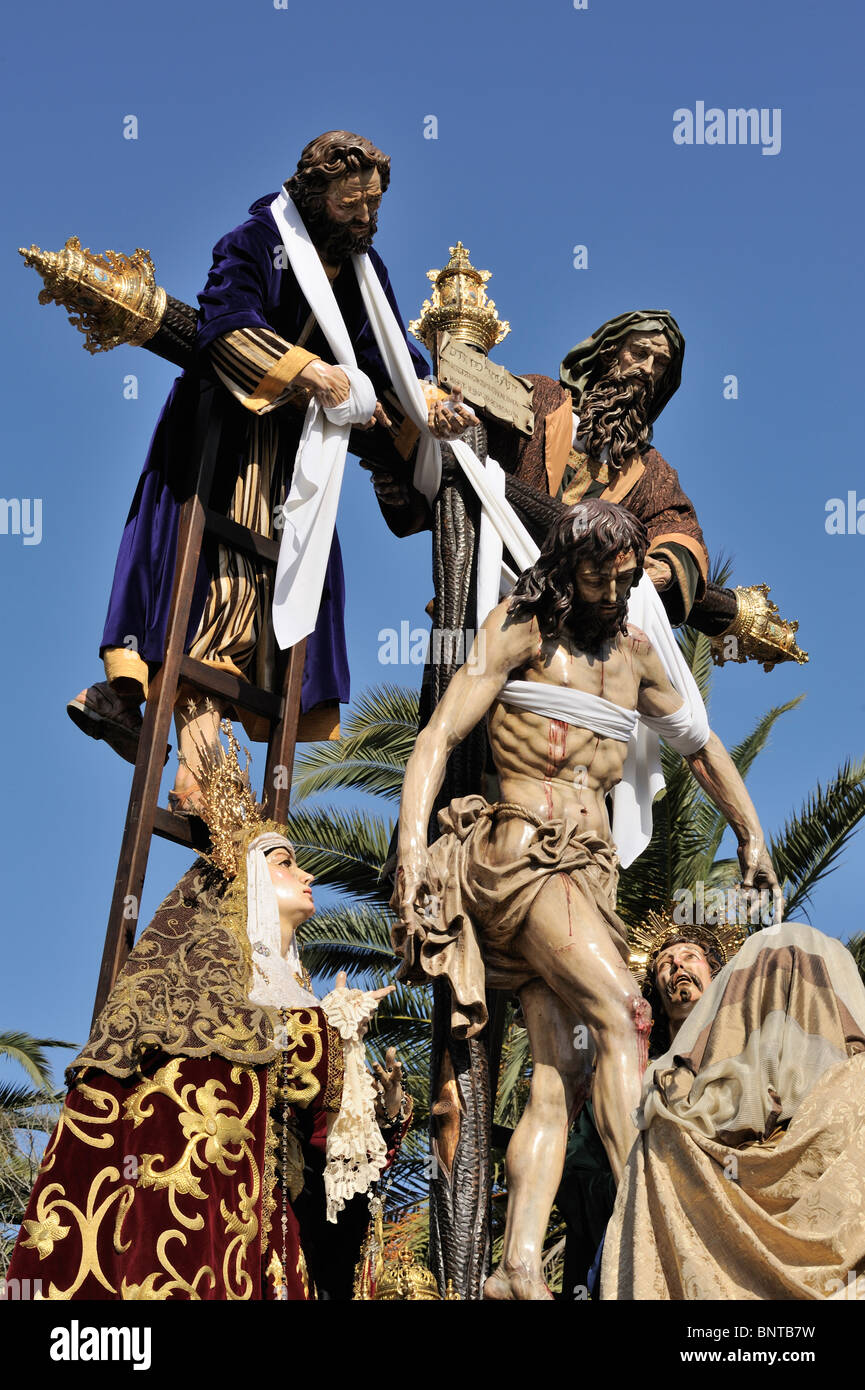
(222, 1134)
(741, 1182)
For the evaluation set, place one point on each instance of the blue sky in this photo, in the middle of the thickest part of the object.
(554, 129)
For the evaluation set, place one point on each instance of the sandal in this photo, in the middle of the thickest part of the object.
(100, 713)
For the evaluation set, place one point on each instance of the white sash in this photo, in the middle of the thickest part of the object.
(642, 778)
(309, 512)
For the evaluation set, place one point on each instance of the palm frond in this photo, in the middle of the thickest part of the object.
(379, 735)
(696, 649)
(809, 844)
(514, 1074)
(354, 939)
(343, 848)
(709, 824)
(856, 947)
(29, 1053)
(17, 1101)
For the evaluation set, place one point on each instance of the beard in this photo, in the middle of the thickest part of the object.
(683, 980)
(615, 413)
(591, 629)
(337, 242)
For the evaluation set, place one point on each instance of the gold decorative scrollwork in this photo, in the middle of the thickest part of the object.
(46, 1230)
(108, 1108)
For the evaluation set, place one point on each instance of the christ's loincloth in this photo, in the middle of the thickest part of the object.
(484, 891)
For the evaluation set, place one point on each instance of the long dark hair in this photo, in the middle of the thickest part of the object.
(593, 530)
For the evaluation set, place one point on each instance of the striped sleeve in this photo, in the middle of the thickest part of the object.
(258, 367)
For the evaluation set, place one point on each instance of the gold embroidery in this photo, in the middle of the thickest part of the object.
(268, 1203)
(217, 1136)
(88, 1222)
(302, 1270)
(276, 1274)
(242, 1224)
(41, 1235)
(335, 1071)
(74, 1119)
(204, 1122)
(147, 1291)
(183, 989)
(301, 1030)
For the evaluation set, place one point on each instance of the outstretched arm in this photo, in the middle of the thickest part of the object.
(499, 648)
(720, 779)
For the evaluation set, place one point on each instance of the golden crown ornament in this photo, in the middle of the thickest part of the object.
(229, 807)
(459, 306)
(114, 298)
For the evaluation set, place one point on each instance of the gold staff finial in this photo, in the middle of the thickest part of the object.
(459, 306)
(757, 632)
(114, 298)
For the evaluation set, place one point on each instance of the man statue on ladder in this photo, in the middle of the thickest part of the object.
(300, 339)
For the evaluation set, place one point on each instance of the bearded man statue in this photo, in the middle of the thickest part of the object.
(593, 438)
(262, 354)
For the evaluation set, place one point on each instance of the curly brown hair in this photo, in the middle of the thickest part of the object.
(328, 157)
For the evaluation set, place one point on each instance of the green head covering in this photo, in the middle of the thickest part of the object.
(581, 363)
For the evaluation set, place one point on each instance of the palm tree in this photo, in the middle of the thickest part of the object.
(688, 828)
(27, 1112)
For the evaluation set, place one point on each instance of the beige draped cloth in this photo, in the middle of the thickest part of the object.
(483, 893)
(747, 1180)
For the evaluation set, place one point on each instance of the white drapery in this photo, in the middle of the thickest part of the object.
(309, 512)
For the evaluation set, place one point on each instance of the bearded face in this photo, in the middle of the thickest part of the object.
(682, 973)
(343, 220)
(614, 410)
(599, 608)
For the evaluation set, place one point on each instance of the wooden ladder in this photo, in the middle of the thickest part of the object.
(281, 706)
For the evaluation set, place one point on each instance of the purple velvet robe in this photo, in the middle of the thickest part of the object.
(245, 289)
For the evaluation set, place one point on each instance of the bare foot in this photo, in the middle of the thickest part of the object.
(516, 1284)
(184, 799)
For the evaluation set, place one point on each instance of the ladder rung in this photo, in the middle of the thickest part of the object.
(240, 693)
(241, 538)
(181, 829)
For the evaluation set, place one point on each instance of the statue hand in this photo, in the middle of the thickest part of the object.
(379, 417)
(451, 418)
(389, 1078)
(413, 895)
(758, 871)
(660, 573)
(329, 385)
(377, 994)
(388, 489)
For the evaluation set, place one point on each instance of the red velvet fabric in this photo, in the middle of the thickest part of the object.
(157, 1187)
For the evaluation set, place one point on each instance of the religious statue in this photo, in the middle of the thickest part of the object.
(300, 342)
(746, 1178)
(520, 894)
(221, 1135)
